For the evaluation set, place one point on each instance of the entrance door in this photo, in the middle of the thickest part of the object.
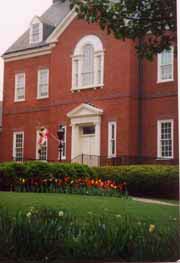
(88, 147)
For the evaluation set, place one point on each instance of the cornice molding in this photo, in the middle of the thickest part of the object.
(28, 54)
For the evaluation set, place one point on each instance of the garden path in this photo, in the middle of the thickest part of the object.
(152, 201)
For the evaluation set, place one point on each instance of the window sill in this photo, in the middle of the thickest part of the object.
(42, 98)
(17, 101)
(164, 81)
(62, 159)
(164, 159)
(100, 86)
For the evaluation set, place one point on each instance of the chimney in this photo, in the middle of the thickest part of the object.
(55, 1)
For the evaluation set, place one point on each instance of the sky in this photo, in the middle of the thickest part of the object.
(15, 17)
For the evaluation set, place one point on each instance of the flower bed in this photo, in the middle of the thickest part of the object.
(158, 181)
(85, 186)
(56, 234)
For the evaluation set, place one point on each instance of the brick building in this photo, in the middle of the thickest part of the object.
(64, 71)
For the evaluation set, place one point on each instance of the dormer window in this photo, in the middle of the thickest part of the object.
(36, 31)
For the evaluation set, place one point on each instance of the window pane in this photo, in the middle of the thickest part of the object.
(166, 65)
(36, 32)
(88, 65)
(18, 147)
(89, 130)
(99, 69)
(76, 70)
(112, 139)
(20, 86)
(166, 139)
(43, 83)
(41, 149)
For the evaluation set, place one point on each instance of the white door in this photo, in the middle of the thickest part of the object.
(88, 147)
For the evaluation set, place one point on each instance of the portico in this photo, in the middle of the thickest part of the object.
(86, 130)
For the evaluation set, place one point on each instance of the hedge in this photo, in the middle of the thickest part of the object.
(142, 180)
(159, 181)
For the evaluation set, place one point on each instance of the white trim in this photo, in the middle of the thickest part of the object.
(88, 87)
(110, 124)
(16, 87)
(84, 110)
(97, 45)
(53, 38)
(14, 144)
(63, 157)
(93, 40)
(159, 80)
(65, 142)
(159, 153)
(36, 20)
(38, 84)
(28, 54)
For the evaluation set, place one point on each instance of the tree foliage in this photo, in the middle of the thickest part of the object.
(151, 24)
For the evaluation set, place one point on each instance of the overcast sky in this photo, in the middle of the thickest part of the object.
(15, 17)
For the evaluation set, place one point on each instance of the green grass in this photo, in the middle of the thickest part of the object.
(81, 205)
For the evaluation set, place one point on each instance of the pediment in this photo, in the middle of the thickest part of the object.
(84, 110)
(36, 19)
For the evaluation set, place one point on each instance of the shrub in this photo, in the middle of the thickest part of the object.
(145, 180)
(142, 180)
(55, 235)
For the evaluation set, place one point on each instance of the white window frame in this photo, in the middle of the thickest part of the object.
(14, 145)
(64, 157)
(159, 153)
(78, 58)
(110, 124)
(37, 154)
(159, 80)
(39, 96)
(17, 75)
(40, 39)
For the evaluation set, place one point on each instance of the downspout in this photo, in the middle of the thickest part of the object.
(140, 110)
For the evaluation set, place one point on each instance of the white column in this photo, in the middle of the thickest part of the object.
(98, 138)
(74, 141)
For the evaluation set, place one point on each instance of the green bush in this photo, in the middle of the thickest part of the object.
(41, 234)
(142, 180)
(145, 180)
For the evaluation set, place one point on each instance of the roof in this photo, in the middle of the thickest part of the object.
(50, 19)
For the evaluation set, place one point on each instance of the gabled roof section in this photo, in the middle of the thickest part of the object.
(50, 19)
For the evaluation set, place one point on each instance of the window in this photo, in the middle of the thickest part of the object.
(41, 150)
(36, 32)
(166, 65)
(88, 64)
(20, 87)
(88, 130)
(112, 133)
(18, 146)
(63, 155)
(99, 69)
(165, 139)
(43, 83)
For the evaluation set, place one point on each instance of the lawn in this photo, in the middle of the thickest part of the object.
(81, 206)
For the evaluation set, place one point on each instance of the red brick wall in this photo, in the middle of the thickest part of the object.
(160, 102)
(118, 98)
